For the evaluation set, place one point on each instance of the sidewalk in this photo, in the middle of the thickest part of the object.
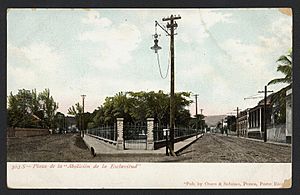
(100, 147)
(258, 140)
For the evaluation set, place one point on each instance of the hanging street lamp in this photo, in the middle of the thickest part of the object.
(171, 25)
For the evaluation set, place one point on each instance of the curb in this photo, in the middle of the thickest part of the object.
(128, 152)
(186, 146)
(258, 140)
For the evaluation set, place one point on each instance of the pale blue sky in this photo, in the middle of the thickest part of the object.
(223, 55)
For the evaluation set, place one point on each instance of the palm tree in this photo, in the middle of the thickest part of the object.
(285, 63)
(77, 112)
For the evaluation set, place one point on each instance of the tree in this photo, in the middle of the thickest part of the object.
(29, 109)
(199, 118)
(59, 119)
(76, 110)
(97, 118)
(159, 106)
(231, 122)
(285, 63)
(19, 109)
(49, 107)
(182, 115)
(136, 107)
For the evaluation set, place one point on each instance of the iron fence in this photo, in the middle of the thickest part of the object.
(159, 132)
(106, 132)
(184, 131)
(135, 136)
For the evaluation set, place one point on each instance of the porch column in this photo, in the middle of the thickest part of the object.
(247, 123)
(120, 133)
(150, 125)
(260, 119)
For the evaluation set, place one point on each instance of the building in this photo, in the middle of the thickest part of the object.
(278, 118)
(242, 123)
(289, 116)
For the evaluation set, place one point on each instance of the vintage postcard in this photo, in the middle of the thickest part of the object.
(149, 98)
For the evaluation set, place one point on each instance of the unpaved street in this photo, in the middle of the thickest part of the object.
(218, 148)
(65, 148)
(57, 147)
(210, 148)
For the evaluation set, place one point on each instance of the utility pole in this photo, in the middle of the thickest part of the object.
(82, 115)
(265, 112)
(201, 120)
(172, 25)
(197, 119)
(237, 116)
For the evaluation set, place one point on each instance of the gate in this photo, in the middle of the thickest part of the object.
(135, 136)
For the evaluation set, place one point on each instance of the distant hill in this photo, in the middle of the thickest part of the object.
(213, 119)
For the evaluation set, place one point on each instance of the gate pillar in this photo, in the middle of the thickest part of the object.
(120, 134)
(150, 125)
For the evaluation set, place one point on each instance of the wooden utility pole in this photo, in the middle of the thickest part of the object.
(172, 25)
(265, 113)
(237, 116)
(82, 115)
(197, 119)
(201, 120)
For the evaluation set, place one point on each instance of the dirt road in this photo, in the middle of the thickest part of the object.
(210, 148)
(57, 147)
(218, 148)
(65, 148)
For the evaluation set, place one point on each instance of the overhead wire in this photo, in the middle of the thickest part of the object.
(158, 60)
(159, 66)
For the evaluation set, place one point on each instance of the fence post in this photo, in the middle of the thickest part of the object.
(120, 133)
(150, 127)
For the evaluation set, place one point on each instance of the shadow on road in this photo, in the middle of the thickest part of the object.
(80, 143)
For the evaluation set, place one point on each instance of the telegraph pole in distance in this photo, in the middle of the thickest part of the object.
(265, 112)
(172, 25)
(196, 101)
(237, 116)
(82, 115)
(201, 120)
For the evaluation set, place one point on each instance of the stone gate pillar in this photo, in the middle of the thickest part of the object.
(150, 126)
(120, 133)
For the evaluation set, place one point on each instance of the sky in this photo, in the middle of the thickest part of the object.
(224, 55)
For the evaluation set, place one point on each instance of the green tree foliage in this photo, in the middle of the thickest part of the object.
(49, 106)
(136, 107)
(284, 65)
(29, 109)
(231, 123)
(197, 122)
(76, 110)
(60, 121)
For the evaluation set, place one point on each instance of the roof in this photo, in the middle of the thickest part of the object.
(270, 97)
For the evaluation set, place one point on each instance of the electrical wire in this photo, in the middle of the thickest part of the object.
(158, 61)
(159, 66)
